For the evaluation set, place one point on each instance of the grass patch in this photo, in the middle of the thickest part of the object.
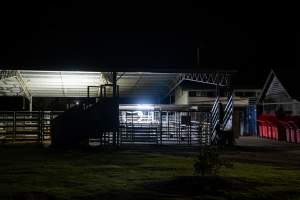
(30, 172)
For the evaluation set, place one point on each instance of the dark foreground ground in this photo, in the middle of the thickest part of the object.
(261, 170)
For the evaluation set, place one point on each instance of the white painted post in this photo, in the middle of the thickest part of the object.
(30, 104)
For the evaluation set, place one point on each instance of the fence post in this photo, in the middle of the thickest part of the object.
(168, 125)
(40, 127)
(190, 129)
(14, 127)
(160, 126)
(179, 128)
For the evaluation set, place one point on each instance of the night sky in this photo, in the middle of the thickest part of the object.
(149, 36)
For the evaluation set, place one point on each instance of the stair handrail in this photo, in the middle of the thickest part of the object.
(214, 119)
(228, 111)
(229, 103)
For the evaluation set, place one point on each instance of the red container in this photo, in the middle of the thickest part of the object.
(269, 132)
(263, 128)
(273, 121)
(293, 136)
(287, 128)
(294, 132)
(274, 133)
(289, 134)
(298, 136)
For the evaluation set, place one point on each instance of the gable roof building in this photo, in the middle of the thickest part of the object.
(281, 91)
(281, 86)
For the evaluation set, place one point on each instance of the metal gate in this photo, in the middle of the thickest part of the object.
(26, 126)
(136, 127)
(164, 127)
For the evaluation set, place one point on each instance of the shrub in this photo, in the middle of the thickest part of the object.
(209, 161)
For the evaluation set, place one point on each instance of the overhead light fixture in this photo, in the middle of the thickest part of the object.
(145, 107)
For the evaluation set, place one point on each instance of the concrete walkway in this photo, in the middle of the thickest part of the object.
(258, 150)
(253, 141)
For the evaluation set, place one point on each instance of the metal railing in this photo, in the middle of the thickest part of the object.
(164, 127)
(26, 126)
(217, 124)
(228, 112)
(214, 121)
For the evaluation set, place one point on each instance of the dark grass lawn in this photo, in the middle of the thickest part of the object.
(32, 172)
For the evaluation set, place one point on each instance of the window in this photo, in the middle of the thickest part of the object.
(250, 94)
(211, 94)
(192, 93)
(239, 94)
(245, 94)
(202, 94)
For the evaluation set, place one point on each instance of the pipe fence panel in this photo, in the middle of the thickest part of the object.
(26, 126)
(164, 127)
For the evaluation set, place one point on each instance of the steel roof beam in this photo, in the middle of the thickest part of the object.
(23, 85)
(213, 78)
(4, 74)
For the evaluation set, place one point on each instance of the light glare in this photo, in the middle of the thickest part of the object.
(145, 107)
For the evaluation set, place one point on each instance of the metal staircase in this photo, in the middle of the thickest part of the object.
(221, 120)
(228, 112)
(96, 117)
(214, 121)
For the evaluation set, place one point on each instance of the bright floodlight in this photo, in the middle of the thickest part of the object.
(77, 102)
(145, 107)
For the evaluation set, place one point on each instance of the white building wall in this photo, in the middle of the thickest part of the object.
(296, 107)
(237, 101)
(181, 96)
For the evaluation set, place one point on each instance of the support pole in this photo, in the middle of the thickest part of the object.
(30, 104)
(160, 121)
(40, 127)
(14, 127)
(114, 84)
(168, 125)
(116, 102)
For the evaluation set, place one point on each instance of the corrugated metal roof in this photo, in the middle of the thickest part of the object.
(75, 83)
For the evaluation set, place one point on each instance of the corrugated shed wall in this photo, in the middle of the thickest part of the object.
(277, 92)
